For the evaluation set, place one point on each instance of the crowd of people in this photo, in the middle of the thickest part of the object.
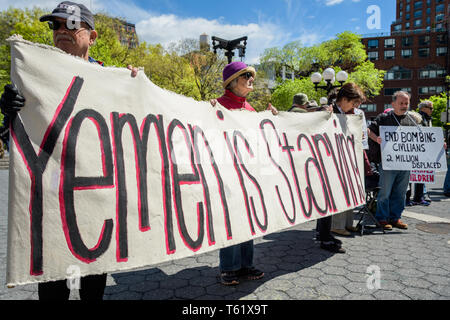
(236, 262)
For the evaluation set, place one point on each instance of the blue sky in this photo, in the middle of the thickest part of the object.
(268, 23)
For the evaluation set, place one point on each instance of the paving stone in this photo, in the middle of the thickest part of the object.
(389, 295)
(272, 295)
(420, 294)
(334, 280)
(160, 294)
(190, 292)
(332, 291)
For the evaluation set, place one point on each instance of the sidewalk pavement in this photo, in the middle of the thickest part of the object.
(411, 264)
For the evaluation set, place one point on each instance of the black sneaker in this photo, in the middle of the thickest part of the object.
(332, 247)
(229, 278)
(250, 273)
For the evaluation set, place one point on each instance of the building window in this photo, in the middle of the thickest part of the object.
(431, 90)
(424, 52)
(407, 41)
(424, 40)
(439, 17)
(418, 14)
(417, 23)
(398, 27)
(372, 44)
(407, 25)
(398, 73)
(441, 38)
(440, 8)
(389, 43)
(408, 8)
(432, 71)
(406, 53)
(391, 91)
(373, 55)
(440, 27)
(418, 5)
(389, 54)
(368, 107)
(441, 51)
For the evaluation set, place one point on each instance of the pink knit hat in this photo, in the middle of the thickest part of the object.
(234, 70)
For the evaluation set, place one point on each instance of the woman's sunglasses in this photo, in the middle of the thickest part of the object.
(247, 75)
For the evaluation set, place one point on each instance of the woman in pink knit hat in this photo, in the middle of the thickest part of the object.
(236, 262)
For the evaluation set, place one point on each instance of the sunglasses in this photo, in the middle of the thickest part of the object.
(247, 75)
(55, 25)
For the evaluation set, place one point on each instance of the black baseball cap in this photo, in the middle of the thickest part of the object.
(69, 9)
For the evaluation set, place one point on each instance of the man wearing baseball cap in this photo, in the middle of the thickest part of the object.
(74, 33)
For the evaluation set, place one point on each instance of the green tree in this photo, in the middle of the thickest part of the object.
(345, 52)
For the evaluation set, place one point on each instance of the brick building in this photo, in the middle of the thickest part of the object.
(415, 53)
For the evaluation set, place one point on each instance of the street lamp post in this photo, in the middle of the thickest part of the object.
(329, 76)
(229, 46)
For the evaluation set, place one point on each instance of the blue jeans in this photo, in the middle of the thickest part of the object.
(392, 194)
(236, 257)
(447, 180)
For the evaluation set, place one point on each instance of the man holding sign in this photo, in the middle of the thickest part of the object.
(393, 183)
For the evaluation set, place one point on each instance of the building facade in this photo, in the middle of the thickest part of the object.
(415, 55)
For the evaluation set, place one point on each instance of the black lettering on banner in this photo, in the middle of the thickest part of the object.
(261, 127)
(118, 122)
(309, 191)
(324, 176)
(339, 170)
(261, 226)
(158, 123)
(36, 164)
(289, 149)
(354, 163)
(186, 179)
(341, 143)
(241, 181)
(195, 132)
(69, 182)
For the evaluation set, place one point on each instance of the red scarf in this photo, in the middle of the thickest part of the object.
(232, 102)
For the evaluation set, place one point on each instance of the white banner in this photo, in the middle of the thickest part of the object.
(111, 173)
(412, 148)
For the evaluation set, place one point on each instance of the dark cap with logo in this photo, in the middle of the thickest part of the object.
(71, 10)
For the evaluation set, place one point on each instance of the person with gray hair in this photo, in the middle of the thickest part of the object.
(393, 183)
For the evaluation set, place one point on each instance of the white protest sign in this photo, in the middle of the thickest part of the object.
(422, 176)
(412, 148)
(112, 173)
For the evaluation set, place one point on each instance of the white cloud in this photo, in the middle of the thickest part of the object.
(333, 2)
(165, 29)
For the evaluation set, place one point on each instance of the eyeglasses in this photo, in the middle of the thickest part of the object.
(247, 75)
(55, 25)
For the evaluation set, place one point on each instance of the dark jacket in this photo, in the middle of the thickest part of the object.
(426, 119)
